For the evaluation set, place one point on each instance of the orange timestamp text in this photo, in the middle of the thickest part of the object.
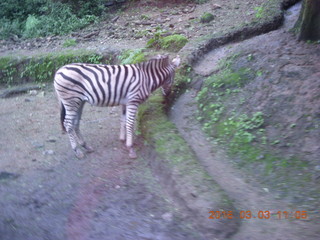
(258, 215)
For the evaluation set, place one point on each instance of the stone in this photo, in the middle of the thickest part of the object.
(167, 216)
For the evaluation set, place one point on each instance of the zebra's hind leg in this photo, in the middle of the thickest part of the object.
(71, 124)
(123, 124)
(74, 140)
(81, 141)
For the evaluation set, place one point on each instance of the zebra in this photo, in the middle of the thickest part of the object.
(109, 85)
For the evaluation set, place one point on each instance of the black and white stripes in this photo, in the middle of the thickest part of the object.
(109, 85)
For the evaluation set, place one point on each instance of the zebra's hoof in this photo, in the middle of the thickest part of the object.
(89, 149)
(132, 153)
(79, 153)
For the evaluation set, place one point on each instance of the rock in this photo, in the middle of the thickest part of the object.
(93, 34)
(33, 92)
(115, 19)
(48, 152)
(36, 144)
(215, 6)
(8, 176)
(167, 217)
(41, 94)
(51, 139)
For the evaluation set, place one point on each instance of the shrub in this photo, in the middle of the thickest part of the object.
(35, 18)
(9, 28)
(31, 27)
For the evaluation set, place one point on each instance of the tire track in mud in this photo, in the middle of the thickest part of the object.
(89, 197)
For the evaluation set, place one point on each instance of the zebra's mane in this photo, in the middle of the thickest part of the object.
(162, 59)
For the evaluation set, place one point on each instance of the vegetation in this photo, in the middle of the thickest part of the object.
(174, 153)
(40, 69)
(171, 43)
(242, 133)
(70, 43)
(35, 18)
(206, 17)
(132, 56)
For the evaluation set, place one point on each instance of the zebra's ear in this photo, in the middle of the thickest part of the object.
(176, 61)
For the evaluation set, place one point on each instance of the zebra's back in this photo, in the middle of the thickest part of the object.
(100, 85)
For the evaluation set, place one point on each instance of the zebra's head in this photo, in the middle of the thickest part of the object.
(166, 86)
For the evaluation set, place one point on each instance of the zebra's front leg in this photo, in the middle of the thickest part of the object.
(130, 120)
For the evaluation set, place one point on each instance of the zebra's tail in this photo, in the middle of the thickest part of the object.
(62, 117)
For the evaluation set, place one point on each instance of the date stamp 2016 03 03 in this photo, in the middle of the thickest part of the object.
(258, 215)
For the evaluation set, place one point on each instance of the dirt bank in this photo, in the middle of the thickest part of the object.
(288, 67)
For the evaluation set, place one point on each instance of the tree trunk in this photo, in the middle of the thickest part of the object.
(308, 24)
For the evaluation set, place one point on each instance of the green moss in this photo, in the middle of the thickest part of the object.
(173, 43)
(267, 10)
(206, 17)
(132, 56)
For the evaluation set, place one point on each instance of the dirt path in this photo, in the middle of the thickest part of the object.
(247, 193)
(46, 193)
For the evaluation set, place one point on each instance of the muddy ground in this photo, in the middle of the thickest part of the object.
(46, 193)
